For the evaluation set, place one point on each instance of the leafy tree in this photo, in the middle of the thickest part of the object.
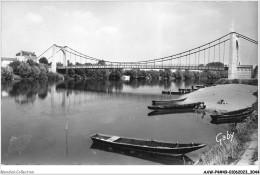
(188, 74)
(14, 65)
(167, 73)
(80, 72)
(71, 72)
(31, 62)
(6, 73)
(69, 63)
(154, 74)
(78, 64)
(101, 62)
(54, 76)
(197, 74)
(133, 73)
(116, 74)
(215, 64)
(43, 60)
(24, 70)
(162, 73)
(142, 73)
(35, 72)
(178, 74)
(59, 64)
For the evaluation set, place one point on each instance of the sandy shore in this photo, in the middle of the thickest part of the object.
(236, 96)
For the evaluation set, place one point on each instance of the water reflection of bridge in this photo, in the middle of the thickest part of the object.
(77, 96)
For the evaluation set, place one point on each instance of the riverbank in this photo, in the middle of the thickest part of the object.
(236, 96)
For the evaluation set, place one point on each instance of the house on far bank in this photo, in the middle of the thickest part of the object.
(6, 61)
(26, 55)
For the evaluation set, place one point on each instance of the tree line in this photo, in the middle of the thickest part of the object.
(33, 70)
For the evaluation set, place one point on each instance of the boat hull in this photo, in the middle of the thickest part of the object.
(174, 107)
(232, 116)
(162, 150)
(232, 120)
(162, 112)
(163, 102)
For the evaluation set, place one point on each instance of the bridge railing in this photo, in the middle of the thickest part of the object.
(129, 66)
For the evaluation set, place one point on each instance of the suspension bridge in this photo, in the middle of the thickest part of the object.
(225, 50)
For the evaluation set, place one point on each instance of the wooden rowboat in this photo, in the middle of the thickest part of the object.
(159, 102)
(163, 112)
(176, 106)
(166, 159)
(233, 114)
(237, 111)
(152, 146)
(200, 86)
(174, 93)
(229, 120)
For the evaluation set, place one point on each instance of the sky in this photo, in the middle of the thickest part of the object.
(125, 31)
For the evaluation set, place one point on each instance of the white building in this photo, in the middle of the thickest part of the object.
(6, 61)
(26, 55)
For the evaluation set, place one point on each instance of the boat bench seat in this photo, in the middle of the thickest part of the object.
(112, 139)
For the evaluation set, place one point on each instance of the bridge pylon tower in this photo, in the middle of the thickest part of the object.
(234, 56)
(54, 52)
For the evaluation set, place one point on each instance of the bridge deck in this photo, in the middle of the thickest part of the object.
(142, 67)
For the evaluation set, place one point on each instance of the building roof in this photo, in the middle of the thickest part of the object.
(26, 53)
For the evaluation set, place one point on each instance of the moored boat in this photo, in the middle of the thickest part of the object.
(166, 159)
(146, 145)
(239, 119)
(233, 114)
(237, 111)
(174, 93)
(158, 102)
(178, 106)
(163, 112)
(200, 86)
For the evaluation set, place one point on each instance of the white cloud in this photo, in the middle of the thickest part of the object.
(33, 17)
(79, 30)
(50, 8)
(107, 30)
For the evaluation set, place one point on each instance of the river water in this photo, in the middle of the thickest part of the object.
(51, 123)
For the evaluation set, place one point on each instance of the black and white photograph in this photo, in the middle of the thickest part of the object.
(168, 84)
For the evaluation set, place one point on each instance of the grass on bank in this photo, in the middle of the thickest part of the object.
(230, 151)
(255, 156)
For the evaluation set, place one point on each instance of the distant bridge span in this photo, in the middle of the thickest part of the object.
(129, 66)
(223, 50)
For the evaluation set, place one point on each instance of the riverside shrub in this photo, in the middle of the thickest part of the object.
(6, 73)
(24, 70)
(35, 72)
(15, 65)
(54, 76)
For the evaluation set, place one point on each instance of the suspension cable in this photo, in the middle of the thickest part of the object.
(55, 53)
(246, 38)
(45, 51)
(171, 57)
